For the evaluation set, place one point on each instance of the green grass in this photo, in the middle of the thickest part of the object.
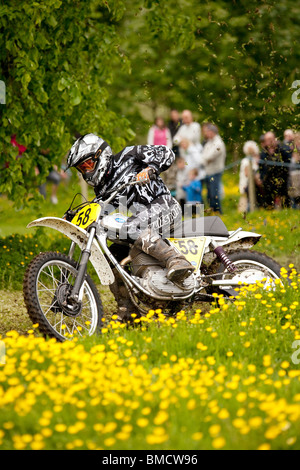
(15, 221)
(222, 380)
(279, 231)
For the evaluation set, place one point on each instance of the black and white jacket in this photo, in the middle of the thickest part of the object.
(127, 164)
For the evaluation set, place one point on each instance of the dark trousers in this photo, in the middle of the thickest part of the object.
(276, 188)
(213, 184)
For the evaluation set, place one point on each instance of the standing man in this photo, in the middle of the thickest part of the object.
(214, 157)
(289, 138)
(174, 124)
(275, 177)
(190, 130)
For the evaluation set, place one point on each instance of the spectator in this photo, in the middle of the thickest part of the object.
(214, 157)
(275, 177)
(192, 155)
(289, 137)
(294, 186)
(194, 188)
(181, 181)
(55, 177)
(174, 124)
(262, 141)
(159, 134)
(169, 178)
(190, 130)
(252, 154)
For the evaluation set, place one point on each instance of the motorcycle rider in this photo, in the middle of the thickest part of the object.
(155, 211)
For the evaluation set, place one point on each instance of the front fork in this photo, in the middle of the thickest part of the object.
(82, 270)
(72, 249)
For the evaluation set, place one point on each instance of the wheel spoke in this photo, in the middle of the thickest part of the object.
(250, 272)
(46, 288)
(52, 275)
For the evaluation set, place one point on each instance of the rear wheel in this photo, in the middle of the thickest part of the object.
(48, 282)
(252, 266)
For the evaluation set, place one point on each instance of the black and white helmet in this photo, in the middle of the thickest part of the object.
(90, 155)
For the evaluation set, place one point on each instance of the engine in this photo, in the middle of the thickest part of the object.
(154, 276)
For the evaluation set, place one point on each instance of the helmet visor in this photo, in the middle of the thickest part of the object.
(87, 166)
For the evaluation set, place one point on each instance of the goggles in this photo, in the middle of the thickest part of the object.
(87, 166)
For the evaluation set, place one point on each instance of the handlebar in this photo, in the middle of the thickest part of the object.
(116, 191)
(70, 214)
(123, 186)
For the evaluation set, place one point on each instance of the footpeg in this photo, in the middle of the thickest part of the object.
(179, 275)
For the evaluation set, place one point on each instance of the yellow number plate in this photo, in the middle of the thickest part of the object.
(87, 215)
(191, 248)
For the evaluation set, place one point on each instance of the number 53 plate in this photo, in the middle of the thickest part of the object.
(87, 215)
(191, 248)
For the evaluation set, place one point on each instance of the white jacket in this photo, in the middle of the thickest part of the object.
(190, 132)
(193, 158)
(214, 156)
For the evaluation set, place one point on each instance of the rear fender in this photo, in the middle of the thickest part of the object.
(238, 241)
(241, 240)
(80, 237)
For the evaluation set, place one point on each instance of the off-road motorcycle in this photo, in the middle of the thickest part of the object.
(63, 299)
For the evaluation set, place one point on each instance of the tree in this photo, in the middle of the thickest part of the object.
(233, 63)
(97, 65)
(56, 62)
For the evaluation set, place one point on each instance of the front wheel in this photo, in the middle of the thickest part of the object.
(47, 284)
(252, 267)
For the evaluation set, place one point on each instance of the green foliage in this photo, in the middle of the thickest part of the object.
(17, 251)
(56, 63)
(231, 62)
(106, 66)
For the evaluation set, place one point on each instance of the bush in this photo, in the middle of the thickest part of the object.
(16, 252)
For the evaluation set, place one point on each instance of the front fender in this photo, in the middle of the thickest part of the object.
(80, 237)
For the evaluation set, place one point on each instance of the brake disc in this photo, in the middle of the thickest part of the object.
(63, 302)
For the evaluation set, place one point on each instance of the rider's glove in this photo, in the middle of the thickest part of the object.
(146, 175)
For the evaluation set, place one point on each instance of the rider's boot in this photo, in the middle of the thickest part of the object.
(179, 268)
(125, 306)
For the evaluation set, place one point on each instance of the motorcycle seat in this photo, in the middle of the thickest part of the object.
(201, 226)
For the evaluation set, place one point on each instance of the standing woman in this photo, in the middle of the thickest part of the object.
(160, 134)
(251, 151)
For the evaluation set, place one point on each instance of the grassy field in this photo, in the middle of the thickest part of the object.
(221, 378)
(228, 379)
